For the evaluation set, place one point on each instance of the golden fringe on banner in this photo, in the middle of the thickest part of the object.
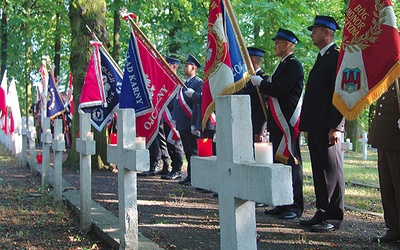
(373, 95)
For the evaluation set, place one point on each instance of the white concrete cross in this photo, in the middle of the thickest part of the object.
(46, 139)
(58, 146)
(364, 143)
(86, 146)
(32, 149)
(346, 145)
(129, 161)
(23, 159)
(238, 180)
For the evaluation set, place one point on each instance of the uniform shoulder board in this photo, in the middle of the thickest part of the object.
(264, 75)
(337, 48)
(293, 58)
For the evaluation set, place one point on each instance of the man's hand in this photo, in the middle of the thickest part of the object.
(194, 131)
(334, 136)
(256, 80)
(189, 92)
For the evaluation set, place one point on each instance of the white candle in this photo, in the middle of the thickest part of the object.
(48, 131)
(140, 143)
(263, 152)
(348, 140)
(89, 136)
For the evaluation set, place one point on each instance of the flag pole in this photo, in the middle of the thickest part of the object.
(396, 82)
(105, 51)
(244, 51)
(148, 43)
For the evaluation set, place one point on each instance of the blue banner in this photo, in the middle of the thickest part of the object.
(55, 106)
(237, 60)
(134, 91)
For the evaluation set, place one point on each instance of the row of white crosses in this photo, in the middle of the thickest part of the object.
(236, 177)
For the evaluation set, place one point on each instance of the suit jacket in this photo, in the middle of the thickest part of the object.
(183, 121)
(318, 113)
(385, 132)
(257, 113)
(286, 86)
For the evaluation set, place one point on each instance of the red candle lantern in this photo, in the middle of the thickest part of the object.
(113, 138)
(204, 147)
(39, 159)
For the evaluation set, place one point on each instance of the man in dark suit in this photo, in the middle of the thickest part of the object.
(324, 124)
(257, 113)
(174, 144)
(183, 112)
(284, 90)
(385, 136)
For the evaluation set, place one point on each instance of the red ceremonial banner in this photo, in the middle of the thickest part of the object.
(369, 60)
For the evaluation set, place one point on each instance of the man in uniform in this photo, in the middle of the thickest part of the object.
(385, 136)
(324, 124)
(284, 92)
(174, 144)
(183, 112)
(257, 113)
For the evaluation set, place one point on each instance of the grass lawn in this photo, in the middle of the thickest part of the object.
(356, 170)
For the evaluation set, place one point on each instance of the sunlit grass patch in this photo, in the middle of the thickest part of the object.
(356, 170)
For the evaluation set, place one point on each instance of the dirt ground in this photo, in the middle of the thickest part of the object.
(179, 217)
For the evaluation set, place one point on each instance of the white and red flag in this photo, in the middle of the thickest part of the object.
(225, 71)
(13, 103)
(3, 95)
(369, 60)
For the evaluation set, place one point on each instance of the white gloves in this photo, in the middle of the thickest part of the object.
(194, 131)
(256, 80)
(189, 92)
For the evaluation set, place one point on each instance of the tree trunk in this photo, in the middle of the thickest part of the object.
(4, 39)
(57, 44)
(28, 52)
(84, 13)
(117, 28)
(353, 131)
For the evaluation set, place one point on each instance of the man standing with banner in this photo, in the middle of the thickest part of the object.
(323, 124)
(183, 112)
(258, 118)
(174, 143)
(284, 91)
